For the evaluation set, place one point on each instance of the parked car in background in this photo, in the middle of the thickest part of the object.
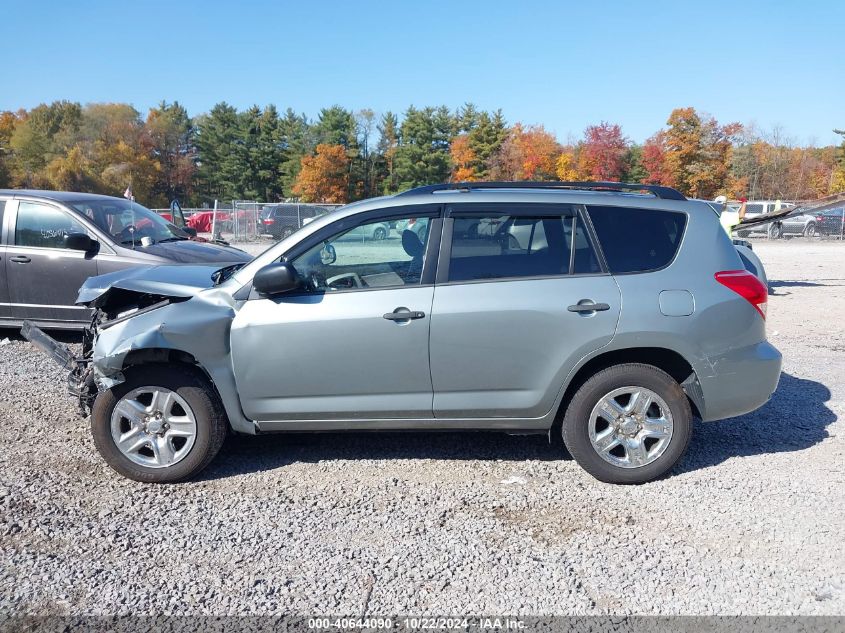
(830, 222)
(52, 241)
(801, 224)
(376, 231)
(418, 226)
(584, 312)
(756, 208)
(281, 220)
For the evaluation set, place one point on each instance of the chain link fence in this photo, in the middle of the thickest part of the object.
(243, 221)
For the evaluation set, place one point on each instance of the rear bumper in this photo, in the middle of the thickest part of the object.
(740, 381)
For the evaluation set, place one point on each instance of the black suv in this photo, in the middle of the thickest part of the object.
(281, 220)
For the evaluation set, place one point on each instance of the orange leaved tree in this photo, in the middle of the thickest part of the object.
(324, 177)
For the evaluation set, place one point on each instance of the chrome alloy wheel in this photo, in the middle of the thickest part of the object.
(630, 427)
(153, 427)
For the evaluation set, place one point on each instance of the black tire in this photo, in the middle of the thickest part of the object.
(286, 232)
(810, 229)
(577, 419)
(379, 234)
(775, 231)
(194, 388)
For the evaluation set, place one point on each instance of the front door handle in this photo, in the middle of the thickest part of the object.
(589, 307)
(403, 314)
(21, 259)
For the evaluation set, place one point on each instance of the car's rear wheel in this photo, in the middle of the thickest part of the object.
(628, 424)
(810, 230)
(380, 233)
(775, 230)
(163, 424)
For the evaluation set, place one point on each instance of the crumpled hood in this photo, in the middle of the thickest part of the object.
(191, 252)
(175, 280)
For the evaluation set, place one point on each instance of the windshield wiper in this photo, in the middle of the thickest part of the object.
(173, 239)
(219, 276)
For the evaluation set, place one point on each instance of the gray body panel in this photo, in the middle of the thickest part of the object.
(333, 356)
(493, 354)
(502, 348)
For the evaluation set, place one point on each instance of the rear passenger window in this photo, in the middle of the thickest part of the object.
(501, 246)
(637, 240)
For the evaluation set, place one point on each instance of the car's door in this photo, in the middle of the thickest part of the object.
(352, 343)
(515, 308)
(44, 276)
(5, 309)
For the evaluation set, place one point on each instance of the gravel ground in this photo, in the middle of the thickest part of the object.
(749, 523)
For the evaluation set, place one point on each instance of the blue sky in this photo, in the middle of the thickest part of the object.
(565, 65)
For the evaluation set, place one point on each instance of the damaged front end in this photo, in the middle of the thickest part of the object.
(160, 314)
(119, 307)
(80, 376)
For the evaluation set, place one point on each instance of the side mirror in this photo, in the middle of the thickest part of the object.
(190, 232)
(275, 279)
(80, 242)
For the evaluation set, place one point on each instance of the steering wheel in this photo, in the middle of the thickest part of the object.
(356, 280)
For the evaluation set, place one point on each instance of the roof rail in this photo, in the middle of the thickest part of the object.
(658, 191)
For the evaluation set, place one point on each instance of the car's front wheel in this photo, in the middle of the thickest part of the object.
(163, 424)
(810, 230)
(628, 424)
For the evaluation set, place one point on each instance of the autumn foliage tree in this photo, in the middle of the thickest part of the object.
(698, 151)
(602, 154)
(654, 161)
(463, 159)
(324, 177)
(528, 153)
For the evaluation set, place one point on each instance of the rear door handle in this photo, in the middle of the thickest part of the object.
(403, 314)
(21, 259)
(589, 307)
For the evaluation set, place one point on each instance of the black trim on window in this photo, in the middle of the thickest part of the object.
(432, 248)
(593, 238)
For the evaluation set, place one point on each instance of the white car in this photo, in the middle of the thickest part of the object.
(756, 208)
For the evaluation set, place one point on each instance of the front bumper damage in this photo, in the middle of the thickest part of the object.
(166, 314)
(80, 376)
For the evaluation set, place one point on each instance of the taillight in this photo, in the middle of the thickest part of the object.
(746, 286)
(268, 221)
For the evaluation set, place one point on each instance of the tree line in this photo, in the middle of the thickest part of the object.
(267, 155)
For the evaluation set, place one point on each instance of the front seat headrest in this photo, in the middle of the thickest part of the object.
(412, 244)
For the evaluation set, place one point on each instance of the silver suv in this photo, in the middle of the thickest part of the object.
(607, 315)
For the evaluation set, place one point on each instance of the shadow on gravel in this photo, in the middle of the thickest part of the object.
(245, 454)
(794, 419)
(794, 284)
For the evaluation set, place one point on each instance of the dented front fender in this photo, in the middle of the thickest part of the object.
(198, 326)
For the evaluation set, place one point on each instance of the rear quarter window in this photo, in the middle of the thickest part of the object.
(637, 240)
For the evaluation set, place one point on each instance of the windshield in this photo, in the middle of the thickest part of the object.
(128, 222)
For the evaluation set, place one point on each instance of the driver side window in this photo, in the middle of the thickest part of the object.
(44, 226)
(377, 254)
